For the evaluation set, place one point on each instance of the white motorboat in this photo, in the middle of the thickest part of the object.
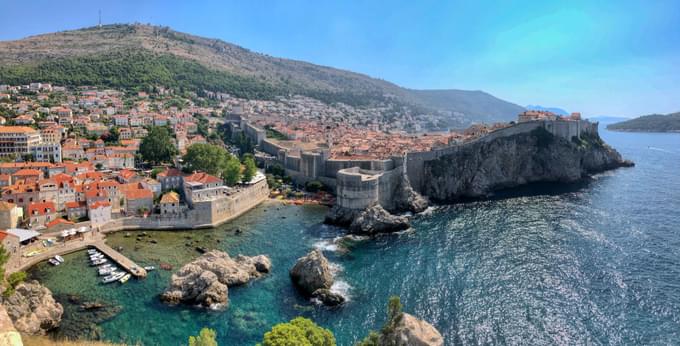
(149, 268)
(59, 258)
(113, 277)
(54, 262)
(107, 270)
(92, 252)
(99, 261)
(96, 256)
(125, 278)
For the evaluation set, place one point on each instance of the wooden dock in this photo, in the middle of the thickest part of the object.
(121, 260)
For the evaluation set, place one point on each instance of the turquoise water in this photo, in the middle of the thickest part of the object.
(591, 263)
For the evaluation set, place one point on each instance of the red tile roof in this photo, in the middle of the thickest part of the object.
(41, 208)
(58, 221)
(138, 194)
(203, 178)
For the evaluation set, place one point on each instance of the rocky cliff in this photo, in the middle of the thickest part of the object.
(410, 331)
(32, 309)
(477, 169)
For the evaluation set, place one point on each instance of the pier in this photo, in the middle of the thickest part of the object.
(121, 260)
(76, 245)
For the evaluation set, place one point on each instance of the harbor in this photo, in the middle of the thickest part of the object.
(89, 240)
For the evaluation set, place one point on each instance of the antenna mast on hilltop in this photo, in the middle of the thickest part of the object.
(100, 19)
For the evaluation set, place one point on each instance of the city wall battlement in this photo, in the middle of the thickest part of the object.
(359, 183)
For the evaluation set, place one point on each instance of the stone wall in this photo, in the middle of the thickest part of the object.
(357, 188)
(205, 214)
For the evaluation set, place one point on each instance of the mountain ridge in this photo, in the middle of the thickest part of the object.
(218, 55)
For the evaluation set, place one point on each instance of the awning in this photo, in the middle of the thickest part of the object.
(23, 234)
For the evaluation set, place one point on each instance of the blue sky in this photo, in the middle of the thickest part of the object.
(598, 57)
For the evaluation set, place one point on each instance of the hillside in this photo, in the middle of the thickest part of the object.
(650, 123)
(141, 55)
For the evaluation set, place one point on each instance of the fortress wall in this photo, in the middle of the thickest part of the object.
(312, 164)
(386, 187)
(292, 163)
(255, 134)
(204, 215)
(333, 166)
(357, 188)
(271, 147)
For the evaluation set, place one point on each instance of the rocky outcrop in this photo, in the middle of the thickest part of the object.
(407, 199)
(377, 220)
(205, 281)
(327, 297)
(312, 272)
(477, 169)
(370, 221)
(32, 309)
(410, 331)
(312, 275)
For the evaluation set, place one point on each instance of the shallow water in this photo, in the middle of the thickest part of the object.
(595, 262)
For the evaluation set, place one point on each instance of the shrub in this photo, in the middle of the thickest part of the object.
(299, 331)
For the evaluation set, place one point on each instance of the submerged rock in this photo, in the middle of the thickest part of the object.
(328, 297)
(410, 331)
(312, 272)
(32, 309)
(205, 281)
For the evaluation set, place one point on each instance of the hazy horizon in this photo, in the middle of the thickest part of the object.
(612, 59)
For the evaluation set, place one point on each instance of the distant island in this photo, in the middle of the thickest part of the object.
(649, 123)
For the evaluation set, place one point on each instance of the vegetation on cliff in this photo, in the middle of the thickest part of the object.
(650, 123)
(300, 332)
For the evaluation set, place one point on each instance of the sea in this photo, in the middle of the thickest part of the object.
(595, 262)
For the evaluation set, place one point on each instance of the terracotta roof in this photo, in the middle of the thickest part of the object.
(17, 129)
(58, 221)
(126, 174)
(138, 194)
(99, 204)
(41, 208)
(74, 204)
(170, 172)
(96, 193)
(201, 177)
(27, 172)
(170, 197)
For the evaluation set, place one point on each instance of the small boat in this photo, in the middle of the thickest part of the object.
(59, 258)
(125, 278)
(33, 253)
(98, 262)
(113, 277)
(54, 262)
(107, 270)
(149, 268)
(92, 252)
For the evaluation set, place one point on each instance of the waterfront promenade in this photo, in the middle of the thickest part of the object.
(88, 240)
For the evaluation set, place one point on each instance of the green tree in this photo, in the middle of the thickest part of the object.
(206, 337)
(157, 147)
(250, 168)
(112, 136)
(206, 157)
(232, 172)
(394, 316)
(314, 186)
(298, 332)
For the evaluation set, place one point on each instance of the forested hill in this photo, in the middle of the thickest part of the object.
(650, 123)
(141, 55)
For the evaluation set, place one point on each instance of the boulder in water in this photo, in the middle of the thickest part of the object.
(312, 272)
(205, 281)
(328, 297)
